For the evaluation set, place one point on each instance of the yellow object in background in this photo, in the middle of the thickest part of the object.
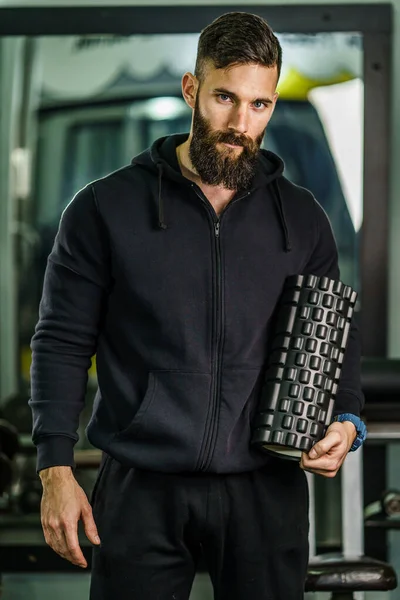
(296, 86)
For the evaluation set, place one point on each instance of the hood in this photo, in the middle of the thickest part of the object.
(161, 158)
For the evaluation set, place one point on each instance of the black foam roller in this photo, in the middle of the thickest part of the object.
(304, 366)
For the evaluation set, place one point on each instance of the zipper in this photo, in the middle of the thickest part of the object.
(210, 433)
(219, 313)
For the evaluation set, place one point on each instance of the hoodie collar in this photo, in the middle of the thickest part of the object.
(162, 158)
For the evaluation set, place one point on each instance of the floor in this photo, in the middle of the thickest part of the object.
(65, 587)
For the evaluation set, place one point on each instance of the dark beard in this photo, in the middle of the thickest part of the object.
(224, 168)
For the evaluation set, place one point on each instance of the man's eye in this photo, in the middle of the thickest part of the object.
(259, 104)
(224, 97)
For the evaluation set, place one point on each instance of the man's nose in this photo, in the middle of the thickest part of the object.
(239, 121)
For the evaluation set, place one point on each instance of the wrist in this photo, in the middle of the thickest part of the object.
(361, 430)
(55, 474)
(350, 430)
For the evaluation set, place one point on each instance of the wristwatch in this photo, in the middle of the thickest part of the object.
(359, 425)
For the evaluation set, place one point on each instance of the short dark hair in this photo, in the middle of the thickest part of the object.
(237, 38)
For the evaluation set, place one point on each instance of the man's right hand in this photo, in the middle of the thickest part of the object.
(63, 503)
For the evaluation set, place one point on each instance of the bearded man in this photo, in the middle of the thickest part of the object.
(170, 270)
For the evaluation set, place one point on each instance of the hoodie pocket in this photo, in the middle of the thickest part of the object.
(166, 432)
(240, 390)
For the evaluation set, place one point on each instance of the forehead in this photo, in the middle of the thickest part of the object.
(252, 80)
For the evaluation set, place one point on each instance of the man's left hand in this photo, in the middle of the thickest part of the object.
(327, 456)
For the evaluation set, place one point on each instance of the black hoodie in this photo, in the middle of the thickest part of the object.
(177, 305)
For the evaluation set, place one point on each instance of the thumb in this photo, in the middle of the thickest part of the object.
(324, 445)
(316, 451)
(319, 449)
(90, 525)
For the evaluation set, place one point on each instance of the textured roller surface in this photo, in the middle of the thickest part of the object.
(311, 334)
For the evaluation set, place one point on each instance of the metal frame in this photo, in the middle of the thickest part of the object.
(352, 503)
(375, 233)
(189, 19)
(8, 315)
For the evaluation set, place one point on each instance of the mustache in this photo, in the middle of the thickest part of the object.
(230, 137)
(233, 138)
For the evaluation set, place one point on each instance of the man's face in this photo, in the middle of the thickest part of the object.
(231, 112)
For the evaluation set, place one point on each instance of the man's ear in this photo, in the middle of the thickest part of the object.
(190, 86)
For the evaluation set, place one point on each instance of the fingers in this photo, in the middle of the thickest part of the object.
(327, 456)
(61, 533)
(327, 465)
(72, 542)
(90, 525)
(328, 474)
(62, 536)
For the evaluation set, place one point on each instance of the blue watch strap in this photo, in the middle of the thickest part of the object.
(359, 425)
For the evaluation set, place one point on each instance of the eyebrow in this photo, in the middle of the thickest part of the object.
(235, 97)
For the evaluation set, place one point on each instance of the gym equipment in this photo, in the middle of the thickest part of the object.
(310, 338)
(9, 446)
(9, 441)
(30, 496)
(6, 473)
(387, 507)
(16, 410)
(343, 576)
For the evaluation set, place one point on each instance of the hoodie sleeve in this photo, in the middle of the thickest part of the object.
(75, 285)
(324, 262)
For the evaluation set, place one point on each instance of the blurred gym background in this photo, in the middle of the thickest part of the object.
(82, 92)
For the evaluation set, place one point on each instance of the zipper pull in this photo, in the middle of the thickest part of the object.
(217, 229)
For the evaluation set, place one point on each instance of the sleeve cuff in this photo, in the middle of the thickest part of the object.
(55, 451)
(347, 402)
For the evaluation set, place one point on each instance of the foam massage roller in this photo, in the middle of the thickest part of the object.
(303, 371)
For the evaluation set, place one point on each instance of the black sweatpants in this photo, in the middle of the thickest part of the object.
(250, 528)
